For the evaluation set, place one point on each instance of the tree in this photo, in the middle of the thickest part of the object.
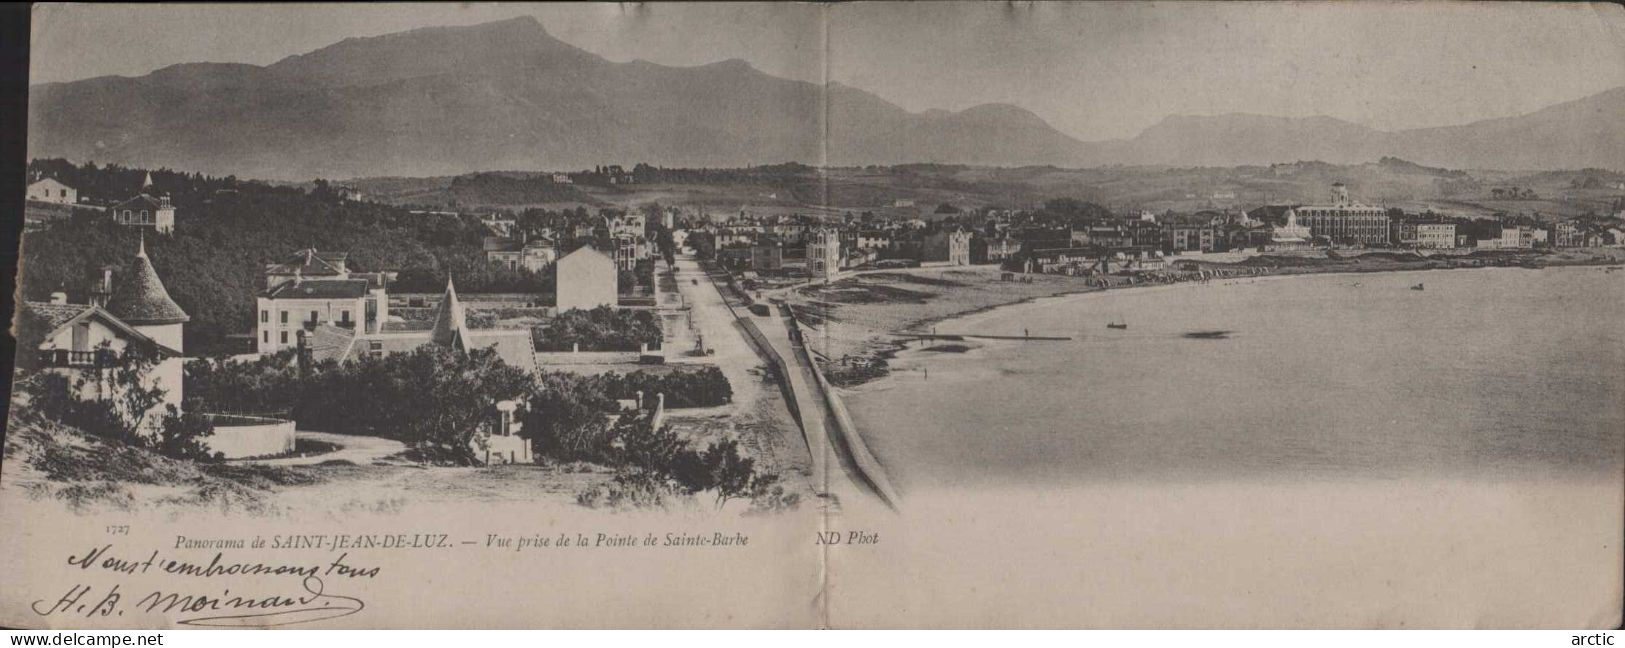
(442, 399)
(181, 436)
(123, 385)
(729, 473)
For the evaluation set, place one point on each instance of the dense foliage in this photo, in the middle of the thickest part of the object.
(227, 231)
(599, 329)
(656, 466)
(435, 399)
(432, 398)
(124, 410)
(703, 387)
(265, 386)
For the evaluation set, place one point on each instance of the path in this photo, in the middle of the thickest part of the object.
(714, 323)
(356, 449)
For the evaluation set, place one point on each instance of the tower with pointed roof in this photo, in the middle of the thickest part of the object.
(140, 300)
(450, 325)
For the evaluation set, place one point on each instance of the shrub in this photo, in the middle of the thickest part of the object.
(181, 436)
(633, 490)
(599, 329)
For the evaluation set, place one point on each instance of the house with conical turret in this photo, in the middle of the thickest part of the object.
(85, 341)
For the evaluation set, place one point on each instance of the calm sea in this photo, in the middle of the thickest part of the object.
(1498, 373)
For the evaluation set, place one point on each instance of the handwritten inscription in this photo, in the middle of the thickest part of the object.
(276, 603)
(261, 593)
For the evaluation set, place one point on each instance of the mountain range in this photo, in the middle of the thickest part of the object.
(507, 95)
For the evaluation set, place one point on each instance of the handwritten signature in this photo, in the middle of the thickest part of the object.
(241, 611)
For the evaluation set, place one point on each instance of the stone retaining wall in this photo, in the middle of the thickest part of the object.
(238, 437)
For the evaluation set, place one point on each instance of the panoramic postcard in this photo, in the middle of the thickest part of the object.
(859, 315)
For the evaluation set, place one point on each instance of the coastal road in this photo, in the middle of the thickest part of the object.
(714, 324)
(356, 449)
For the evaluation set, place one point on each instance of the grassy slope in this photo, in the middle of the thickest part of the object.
(47, 460)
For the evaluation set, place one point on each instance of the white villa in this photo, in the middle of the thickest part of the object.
(311, 288)
(51, 190)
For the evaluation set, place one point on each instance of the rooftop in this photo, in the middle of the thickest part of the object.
(319, 289)
(311, 263)
(139, 297)
(142, 201)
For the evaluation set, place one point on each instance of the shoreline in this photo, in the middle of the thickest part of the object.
(890, 343)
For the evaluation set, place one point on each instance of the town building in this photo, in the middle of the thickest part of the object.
(329, 341)
(1001, 249)
(1402, 232)
(824, 253)
(51, 190)
(309, 289)
(505, 252)
(499, 224)
(146, 211)
(1291, 234)
(1187, 237)
(629, 225)
(1346, 222)
(627, 251)
(872, 239)
(1435, 235)
(1571, 233)
(586, 279)
(518, 254)
(538, 254)
(959, 247)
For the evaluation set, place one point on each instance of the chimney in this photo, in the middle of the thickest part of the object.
(101, 289)
(59, 298)
(302, 354)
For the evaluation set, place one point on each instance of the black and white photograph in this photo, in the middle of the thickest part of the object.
(819, 315)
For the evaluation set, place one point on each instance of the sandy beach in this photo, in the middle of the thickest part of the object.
(860, 322)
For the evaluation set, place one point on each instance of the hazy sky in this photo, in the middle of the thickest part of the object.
(1093, 70)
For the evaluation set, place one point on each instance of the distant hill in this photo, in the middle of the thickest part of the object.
(1572, 135)
(446, 101)
(503, 95)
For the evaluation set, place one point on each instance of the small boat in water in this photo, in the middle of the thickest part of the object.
(1417, 287)
(1118, 324)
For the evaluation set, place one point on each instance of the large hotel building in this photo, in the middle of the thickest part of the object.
(1346, 222)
